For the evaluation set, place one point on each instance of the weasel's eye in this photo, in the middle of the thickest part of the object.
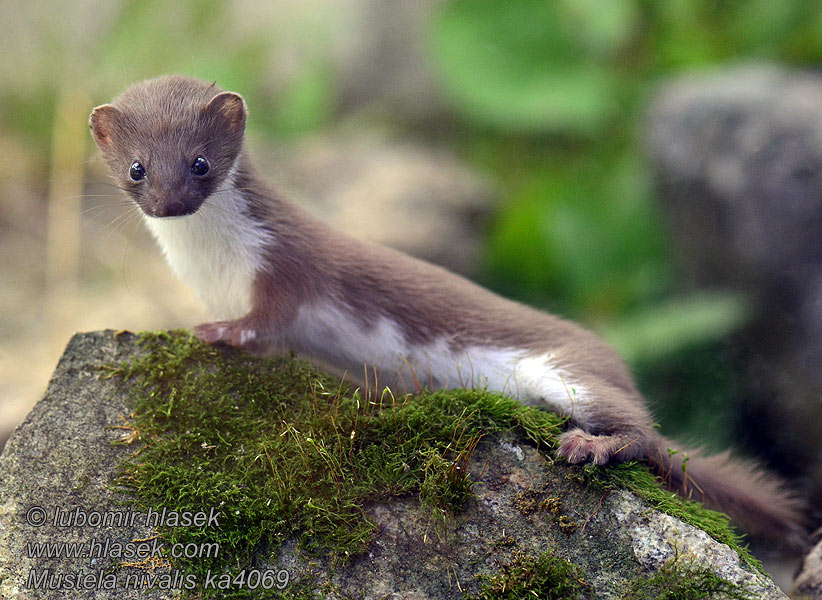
(200, 166)
(137, 171)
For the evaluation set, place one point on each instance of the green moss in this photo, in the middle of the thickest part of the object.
(682, 580)
(287, 453)
(547, 576)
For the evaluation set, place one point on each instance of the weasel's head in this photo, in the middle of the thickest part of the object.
(170, 142)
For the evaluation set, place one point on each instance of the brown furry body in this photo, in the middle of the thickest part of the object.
(279, 279)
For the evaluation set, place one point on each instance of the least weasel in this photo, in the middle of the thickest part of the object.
(278, 279)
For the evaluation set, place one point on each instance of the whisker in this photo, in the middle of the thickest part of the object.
(92, 196)
(107, 206)
(118, 225)
(245, 188)
(274, 151)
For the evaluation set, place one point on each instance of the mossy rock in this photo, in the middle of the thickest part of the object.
(310, 488)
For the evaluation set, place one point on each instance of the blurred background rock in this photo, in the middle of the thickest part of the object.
(503, 139)
(738, 154)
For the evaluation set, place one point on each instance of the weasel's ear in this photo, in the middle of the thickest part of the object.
(229, 110)
(102, 122)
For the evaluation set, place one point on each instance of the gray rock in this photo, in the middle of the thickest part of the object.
(657, 538)
(61, 457)
(808, 582)
(738, 157)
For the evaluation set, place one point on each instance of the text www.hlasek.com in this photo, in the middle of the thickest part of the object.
(149, 551)
(97, 548)
(96, 579)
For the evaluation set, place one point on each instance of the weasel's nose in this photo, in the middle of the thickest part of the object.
(176, 208)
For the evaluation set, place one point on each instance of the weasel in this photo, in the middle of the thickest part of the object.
(277, 279)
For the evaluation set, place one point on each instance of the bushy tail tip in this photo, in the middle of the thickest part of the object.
(759, 502)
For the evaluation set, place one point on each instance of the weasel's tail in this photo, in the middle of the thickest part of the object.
(759, 502)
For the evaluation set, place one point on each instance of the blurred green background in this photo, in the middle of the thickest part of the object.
(544, 98)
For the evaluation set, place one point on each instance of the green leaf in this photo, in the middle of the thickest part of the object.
(306, 104)
(665, 329)
(528, 66)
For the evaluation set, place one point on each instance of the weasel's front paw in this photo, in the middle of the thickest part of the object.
(233, 333)
(577, 446)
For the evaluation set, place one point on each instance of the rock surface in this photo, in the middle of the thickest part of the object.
(738, 157)
(808, 582)
(62, 458)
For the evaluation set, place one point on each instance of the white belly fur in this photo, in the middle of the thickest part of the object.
(216, 251)
(331, 335)
(218, 257)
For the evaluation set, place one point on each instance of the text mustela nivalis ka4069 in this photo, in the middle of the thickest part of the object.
(278, 279)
